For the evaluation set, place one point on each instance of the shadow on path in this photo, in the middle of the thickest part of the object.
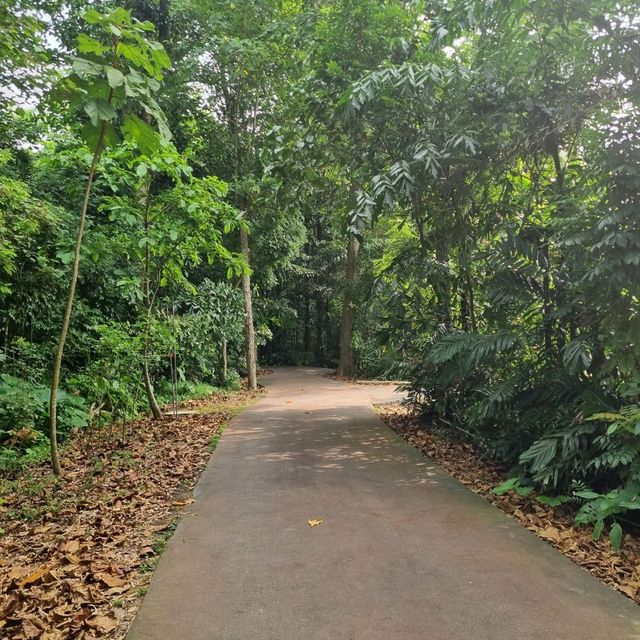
(404, 551)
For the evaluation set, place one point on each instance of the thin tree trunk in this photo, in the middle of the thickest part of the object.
(464, 311)
(547, 303)
(471, 304)
(156, 412)
(443, 289)
(249, 331)
(66, 320)
(319, 351)
(224, 360)
(562, 324)
(346, 363)
(307, 323)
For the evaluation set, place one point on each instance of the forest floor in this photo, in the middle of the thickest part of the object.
(554, 524)
(76, 554)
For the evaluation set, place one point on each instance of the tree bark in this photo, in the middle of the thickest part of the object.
(346, 364)
(443, 288)
(66, 320)
(319, 350)
(249, 331)
(547, 303)
(307, 323)
(224, 361)
(156, 412)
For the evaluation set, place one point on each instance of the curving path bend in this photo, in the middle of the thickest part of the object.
(404, 552)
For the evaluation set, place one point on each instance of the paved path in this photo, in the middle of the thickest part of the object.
(405, 552)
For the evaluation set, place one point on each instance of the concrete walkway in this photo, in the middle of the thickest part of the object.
(405, 552)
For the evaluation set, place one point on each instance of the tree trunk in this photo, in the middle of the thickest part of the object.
(346, 365)
(224, 361)
(471, 304)
(249, 332)
(443, 288)
(66, 320)
(307, 323)
(319, 351)
(156, 412)
(547, 303)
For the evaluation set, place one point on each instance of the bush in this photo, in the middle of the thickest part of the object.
(24, 412)
(112, 380)
(24, 359)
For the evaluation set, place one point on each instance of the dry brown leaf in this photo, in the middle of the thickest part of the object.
(110, 580)
(33, 577)
(72, 546)
(17, 573)
(32, 627)
(628, 590)
(550, 533)
(182, 503)
(104, 623)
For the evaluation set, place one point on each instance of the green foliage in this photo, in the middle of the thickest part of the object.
(118, 63)
(24, 412)
(110, 381)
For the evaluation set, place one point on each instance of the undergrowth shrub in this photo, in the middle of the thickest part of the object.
(563, 432)
(24, 408)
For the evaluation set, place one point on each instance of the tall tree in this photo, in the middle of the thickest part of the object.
(115, 73)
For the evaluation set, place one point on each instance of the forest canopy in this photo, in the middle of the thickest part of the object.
(443, 192)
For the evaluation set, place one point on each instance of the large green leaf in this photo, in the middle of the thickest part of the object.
(137, 131)
(87, 44)
(86, 68)
(90, 134)
(615, 536)
(100, 110)
(115, 77)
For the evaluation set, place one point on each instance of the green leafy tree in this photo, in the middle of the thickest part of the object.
(120, 69)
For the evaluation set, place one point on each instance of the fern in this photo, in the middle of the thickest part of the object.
(577, 355)
(538, 456)
(473, 347)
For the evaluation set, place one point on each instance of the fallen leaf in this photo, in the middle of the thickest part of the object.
(182, 503)
(550, 533)
(33, 577)
(109, 580)
(30, 630)
(104, 623)
(71, 547)
(628, 590)
(314, 522)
